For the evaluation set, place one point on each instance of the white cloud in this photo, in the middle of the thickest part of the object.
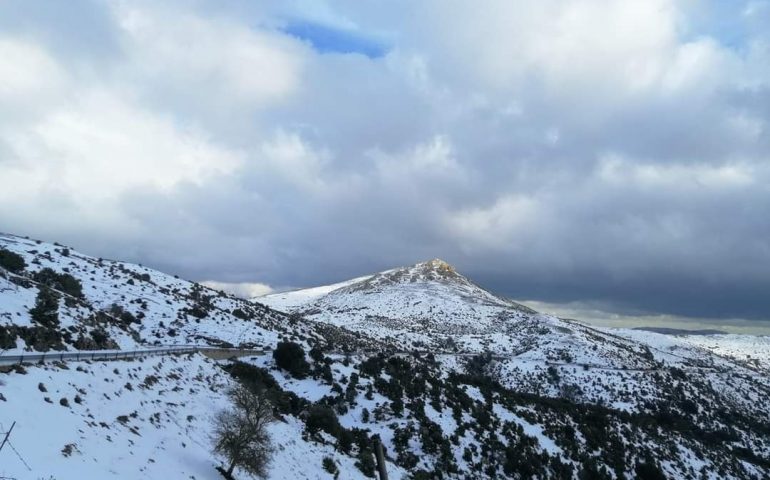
(432, 159)
(619, 171)
(288, 157)
(25, 69)
(583, 44)
(102, 145)
(550, 138)
(241, 290)
(508, 224)
(30, 79)
(214, 60)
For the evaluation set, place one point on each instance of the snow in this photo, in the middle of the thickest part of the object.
(290, 300)
(546, 443)
(431, 307)
(427, 307)
(166, 432)
(162, 301)
(176, 445)
(748, 348)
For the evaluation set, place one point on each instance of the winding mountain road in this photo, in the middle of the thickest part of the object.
(217, 353)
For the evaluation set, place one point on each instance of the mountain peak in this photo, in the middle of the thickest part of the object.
(437, 266)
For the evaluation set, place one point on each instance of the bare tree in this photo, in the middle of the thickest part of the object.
(241, 432)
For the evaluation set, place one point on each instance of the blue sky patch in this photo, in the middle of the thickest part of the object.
(335, 40)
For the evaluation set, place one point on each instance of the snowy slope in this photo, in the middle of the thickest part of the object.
(455, 381)
(429, 297)
(138, 419)
(132, 304)
(135, 419)
(152, 419)
(430, 307)
(749, 349)
(291, 300)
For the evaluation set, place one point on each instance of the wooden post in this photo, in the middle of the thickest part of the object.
(380, 456)
(7, 434)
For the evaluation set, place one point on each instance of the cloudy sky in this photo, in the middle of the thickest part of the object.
(604, 159)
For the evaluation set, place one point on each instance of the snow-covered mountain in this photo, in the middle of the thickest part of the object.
(454, 381)
(146, 418)
(430, 295)
(430, 307)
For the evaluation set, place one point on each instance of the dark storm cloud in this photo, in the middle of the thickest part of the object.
(605, 152)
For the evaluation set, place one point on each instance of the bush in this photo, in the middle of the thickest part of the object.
(290, 356)
(7, 337)
(317, 354)
(11, 261)
(322, 418)
(46, 310)
(649, 470)
(99, 340)
(330, 466)
(372, 366)
(60, 281)
(366, 462)
(41, 339)
(197, 311)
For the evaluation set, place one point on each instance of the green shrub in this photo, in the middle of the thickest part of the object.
(11, 261)
(322, 418)
(290, 356)
(330, 466)
(198, 312)
(63, 282)
(46, 310)
(41, 339)
(366, 462)
(257, 379)
(649, 470)
(7, 337)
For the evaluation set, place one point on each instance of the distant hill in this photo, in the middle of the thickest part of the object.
(681, 331)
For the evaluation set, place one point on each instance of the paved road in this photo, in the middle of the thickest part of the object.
(211, 352)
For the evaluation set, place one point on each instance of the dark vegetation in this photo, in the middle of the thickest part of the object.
(11, 261)
(290, 356)
(63, 282)
(597, 442)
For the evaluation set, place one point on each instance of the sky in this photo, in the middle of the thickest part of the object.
(603, 159)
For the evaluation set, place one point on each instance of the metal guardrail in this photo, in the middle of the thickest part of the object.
(81, 355)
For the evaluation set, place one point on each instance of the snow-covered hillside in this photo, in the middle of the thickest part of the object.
(454, 381)
(430, 307)
(122, 305)
(288, 301)
(136, 419)
(426, 296)
(749, 349)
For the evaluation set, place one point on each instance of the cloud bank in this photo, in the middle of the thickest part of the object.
(558, 151)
